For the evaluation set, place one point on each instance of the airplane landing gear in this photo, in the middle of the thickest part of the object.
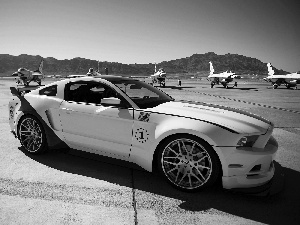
(162, 84)
(225, 85)
(212, 84)
(275, 86)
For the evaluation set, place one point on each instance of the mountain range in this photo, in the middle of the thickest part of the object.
(195, 64)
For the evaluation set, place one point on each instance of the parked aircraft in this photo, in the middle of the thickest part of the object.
(159, 76)
(289, 80)
(221, 78)
(26, 75)
(91, 72)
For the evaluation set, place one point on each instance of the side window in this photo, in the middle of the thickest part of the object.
(88, 92)
(49, 91)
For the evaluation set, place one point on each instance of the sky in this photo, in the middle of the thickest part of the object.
(148, 31)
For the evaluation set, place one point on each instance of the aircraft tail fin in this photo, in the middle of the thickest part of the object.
(270, 69)
(39, 71)
(211, 69)
(41, 66)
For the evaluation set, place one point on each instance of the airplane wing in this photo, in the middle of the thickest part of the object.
(36, 74)
(139, 76)
(15, 74)
(293, 76)
(218, 76)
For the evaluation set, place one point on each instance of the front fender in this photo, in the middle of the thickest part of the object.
(213, 134)
(168, 125)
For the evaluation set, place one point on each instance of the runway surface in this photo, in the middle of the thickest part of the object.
(80, 188)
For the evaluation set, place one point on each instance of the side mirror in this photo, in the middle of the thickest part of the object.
(111, 101)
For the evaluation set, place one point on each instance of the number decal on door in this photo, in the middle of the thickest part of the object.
(141, 135)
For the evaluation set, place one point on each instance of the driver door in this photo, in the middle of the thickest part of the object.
(90, 126)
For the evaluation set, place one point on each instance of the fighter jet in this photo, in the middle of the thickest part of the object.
(221, 78)
(26, 75)
(91, 72)
(159, 76)
(289, 80)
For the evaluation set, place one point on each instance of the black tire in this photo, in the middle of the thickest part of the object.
(275, 86)
(188, 163)
(32, 135)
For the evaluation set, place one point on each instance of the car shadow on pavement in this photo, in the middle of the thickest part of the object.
(284, 88)
(238, 88)
(281, 208)
(179, 87)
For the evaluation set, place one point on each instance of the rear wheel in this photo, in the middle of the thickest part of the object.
(188, 163)
(32, 135)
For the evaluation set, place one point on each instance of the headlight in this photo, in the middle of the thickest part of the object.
(247, 141)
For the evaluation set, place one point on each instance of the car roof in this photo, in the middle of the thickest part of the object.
(104, 77)
(113, 78)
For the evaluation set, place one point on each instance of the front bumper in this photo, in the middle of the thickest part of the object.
(249, 168)
(250, 180)
(273, 187)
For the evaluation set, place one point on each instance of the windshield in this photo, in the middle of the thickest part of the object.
(142, 94)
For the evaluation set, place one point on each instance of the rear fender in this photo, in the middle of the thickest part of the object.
(29, 105)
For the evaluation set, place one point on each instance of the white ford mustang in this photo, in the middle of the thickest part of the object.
(192, 144)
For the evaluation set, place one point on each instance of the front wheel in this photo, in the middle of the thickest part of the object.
(188, 163)
(32, 135)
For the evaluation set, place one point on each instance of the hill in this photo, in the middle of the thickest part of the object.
(195, 64)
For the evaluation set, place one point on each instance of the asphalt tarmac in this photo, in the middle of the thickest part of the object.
(80, 188)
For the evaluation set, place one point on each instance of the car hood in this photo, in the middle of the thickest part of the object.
(232, 119)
